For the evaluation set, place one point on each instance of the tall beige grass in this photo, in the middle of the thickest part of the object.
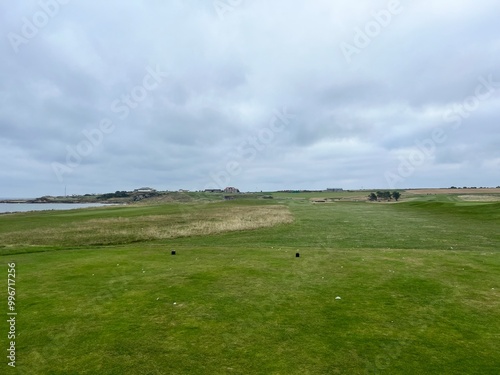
(113, 230)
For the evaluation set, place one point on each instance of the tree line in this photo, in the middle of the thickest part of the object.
(384, 195)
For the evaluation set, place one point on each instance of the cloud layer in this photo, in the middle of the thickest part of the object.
(260, 95)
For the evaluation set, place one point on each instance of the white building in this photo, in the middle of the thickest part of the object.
(145, 190)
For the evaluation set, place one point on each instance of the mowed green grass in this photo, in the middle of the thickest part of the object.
(418, 284)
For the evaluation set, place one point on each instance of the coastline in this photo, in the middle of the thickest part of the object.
(18, 206)
(38, 201)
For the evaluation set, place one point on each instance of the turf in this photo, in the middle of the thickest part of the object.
(418, 286)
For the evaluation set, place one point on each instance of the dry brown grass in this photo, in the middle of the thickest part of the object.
(116, 230)
(454, 191)
(479, 198)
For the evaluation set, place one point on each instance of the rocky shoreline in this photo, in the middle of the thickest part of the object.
(118, 197)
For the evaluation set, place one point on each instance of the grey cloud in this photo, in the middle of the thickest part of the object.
(224, 80)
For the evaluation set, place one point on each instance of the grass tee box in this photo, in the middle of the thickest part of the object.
(407, 288)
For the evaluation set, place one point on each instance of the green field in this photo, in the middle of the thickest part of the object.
(98, 291)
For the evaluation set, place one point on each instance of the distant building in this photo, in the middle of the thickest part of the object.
(231, 190)
(145, 190)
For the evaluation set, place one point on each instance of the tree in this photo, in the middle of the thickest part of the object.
(372, 197)
(384, 195)
(396, 195)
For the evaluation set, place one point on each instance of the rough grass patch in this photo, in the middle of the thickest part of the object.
(479, 198)
(114, 230)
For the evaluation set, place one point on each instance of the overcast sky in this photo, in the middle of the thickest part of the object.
(258, 94)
